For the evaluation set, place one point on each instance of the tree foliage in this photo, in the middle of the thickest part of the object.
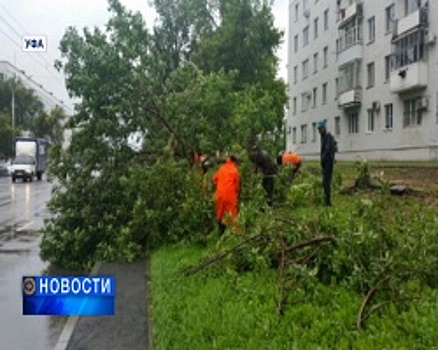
(30, 116)
(136, 83)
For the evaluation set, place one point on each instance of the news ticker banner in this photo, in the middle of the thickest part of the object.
(69, 295)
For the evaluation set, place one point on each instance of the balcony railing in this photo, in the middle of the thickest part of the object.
(418, 18)
(349, 38)
(351, 98)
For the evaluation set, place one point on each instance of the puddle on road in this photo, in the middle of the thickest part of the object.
(10, 233)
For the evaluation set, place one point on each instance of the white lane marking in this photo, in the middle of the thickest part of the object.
(25, 226)
(70, 325)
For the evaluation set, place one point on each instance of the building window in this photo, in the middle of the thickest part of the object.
(337, 126)
(314, 132)
(326, 19)
(410, 6)
(349, 35)
(294, 135)
(294, 111)
(303, 133)
(411, 114)
(315, 62)
(325, 58)
(370, 75)
(305, 69)
(388, 117)
(324, 93)
(370, 120)
(389, 18)
(295, 74)
(336, 88)
(306, 36)
(349, 77)
(315, 28)
(387, 67)
(371, 29)
(297, 9)
(315, 96)
(353, 122)
(305, 98)
(409, 49)
(296, 43)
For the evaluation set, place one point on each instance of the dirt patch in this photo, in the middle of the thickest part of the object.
(420, 179)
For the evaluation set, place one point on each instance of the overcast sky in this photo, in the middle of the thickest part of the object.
(52, 17)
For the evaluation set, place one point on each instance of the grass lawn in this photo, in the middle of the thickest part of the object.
(216, 311)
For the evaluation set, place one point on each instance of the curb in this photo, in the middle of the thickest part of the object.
(70, 325)
(148, 302)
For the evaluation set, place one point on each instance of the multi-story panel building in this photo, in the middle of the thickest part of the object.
(371, 70)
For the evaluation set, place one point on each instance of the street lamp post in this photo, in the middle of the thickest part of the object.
(13, 115)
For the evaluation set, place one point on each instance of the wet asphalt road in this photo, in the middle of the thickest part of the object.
(22, 212)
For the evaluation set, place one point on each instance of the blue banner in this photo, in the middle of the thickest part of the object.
(68, 295)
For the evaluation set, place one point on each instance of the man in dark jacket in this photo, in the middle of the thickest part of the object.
(263, 162)
(328, 150)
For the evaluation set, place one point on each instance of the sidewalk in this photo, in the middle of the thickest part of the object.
(128, 328)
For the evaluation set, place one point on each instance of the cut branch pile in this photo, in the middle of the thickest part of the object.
(287, 255)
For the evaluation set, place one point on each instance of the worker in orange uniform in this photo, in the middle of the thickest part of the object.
(226, 180)
(290, 158)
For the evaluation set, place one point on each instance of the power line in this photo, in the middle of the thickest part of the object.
(19, 25)
(40, 86)
(32, 57)
(42, 64)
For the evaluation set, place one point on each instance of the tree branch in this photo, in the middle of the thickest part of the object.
(211, 260)
(312, 241)
(367, 300)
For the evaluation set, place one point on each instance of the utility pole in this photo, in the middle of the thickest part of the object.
(13, 115)
(13, 111)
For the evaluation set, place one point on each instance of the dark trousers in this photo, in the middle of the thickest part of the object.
(327, 175)
(222, 227)
(295, 169)
(268, 185)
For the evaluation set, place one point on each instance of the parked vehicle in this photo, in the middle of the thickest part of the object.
(30, 158)
(4, 169)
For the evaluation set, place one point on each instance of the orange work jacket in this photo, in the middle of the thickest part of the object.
(226, 180)
(291, 158)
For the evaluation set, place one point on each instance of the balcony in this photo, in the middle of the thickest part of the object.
(411, 77)
(349, 45)
(353, 52)
(412, 21)
(351, 98)
(348, 13)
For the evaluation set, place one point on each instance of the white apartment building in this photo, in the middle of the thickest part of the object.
(370, 68)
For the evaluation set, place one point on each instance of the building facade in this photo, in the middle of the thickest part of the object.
(48, 100)
(370, 68)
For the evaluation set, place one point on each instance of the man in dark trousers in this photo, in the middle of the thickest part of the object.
(328, 150)
(263, 162)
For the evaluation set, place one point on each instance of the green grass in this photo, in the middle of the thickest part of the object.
(219, 308)
(212, 310)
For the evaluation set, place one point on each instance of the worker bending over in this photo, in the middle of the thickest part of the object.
(263, 162)
(292, 159)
